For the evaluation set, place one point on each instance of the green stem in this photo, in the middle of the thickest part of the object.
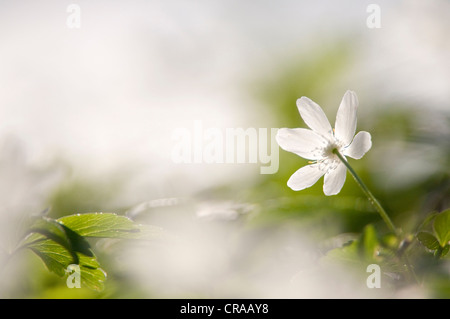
(369, 195)
(380, 210)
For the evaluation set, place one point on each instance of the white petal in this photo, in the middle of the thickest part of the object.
(314, 116)
(301, 141)
(305, 177)
(345, 126)
(334, 180)
(360, 145)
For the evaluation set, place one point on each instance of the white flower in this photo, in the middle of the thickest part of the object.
(318, 144)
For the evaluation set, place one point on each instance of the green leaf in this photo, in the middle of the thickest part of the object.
(347, 254)
(60, 234)
(442, 227)
(108, 225)
(51, 229)
(57, 258)
(428, 240)
(93, 278)
(445, 250)
(60, 243)
(426, 222)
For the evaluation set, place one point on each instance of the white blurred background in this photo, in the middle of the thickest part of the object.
(112, 92)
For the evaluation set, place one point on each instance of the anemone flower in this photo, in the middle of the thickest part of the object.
(321, 144)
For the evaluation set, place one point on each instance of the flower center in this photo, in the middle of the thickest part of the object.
(330, 147)
(330, 161)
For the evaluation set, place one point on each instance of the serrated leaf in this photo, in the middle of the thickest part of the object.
(428, 240)
(60, 243)
(93, 278)
(107, 225)
(51, 229)
(442, 227)
(57, 258)
(60, 234)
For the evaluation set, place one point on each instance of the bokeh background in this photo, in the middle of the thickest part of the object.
(87, 117)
